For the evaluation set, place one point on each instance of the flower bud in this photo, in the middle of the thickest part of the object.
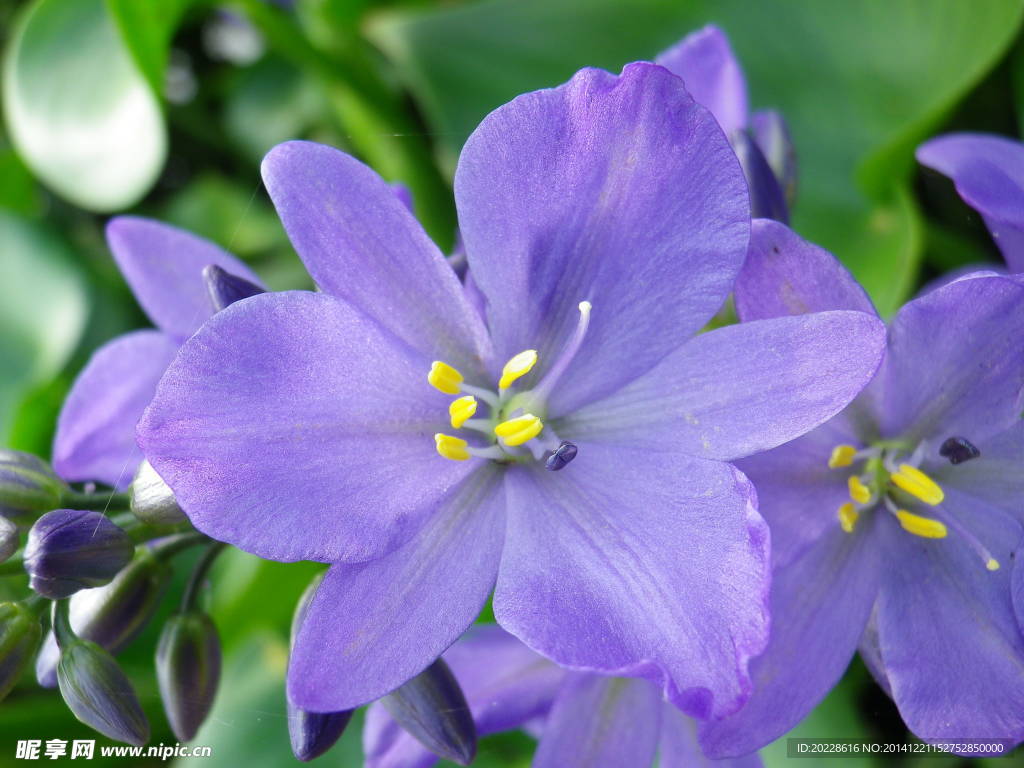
(113, 615)
(772, 136)
(28, 486)
(100, 694)
(432, 708)
(766, 198)
(188, 671)
(69, 549)
(19, 638)
(225, 288)
(313, 733)
(152, 501)
(9, 539)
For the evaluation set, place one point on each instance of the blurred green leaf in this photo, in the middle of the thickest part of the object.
(79, 111)
(147, 28)
(18, 190)
(42, 309)
(860, 82)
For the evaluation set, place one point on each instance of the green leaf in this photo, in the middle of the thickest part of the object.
(860, 82)
(18, 190)
(43, 309)
(147, 28)
(79, 111)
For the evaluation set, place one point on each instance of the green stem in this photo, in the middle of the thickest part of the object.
(62, 623)
(175, 544)
(14, 566)
(102, 502)
(195, 581)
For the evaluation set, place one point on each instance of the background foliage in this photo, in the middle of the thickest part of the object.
(165, 108)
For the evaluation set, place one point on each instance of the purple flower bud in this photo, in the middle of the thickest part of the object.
(766, 198)
(772, 136)
(188, 671)
(113, 615)
(68, 550)
(152, 501)
(19, 638)
(313, 733)
(99, 694)
(225, 288)
(432, 708)
(28, 486)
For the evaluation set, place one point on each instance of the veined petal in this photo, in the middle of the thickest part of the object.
(361, 243)
(679, 747)
(988, 172)
(820, 605)
(617, 565)
(95, 438)
(621, 191)
(296, 428)
(741, 389)
(712, 73)
(787, 275)
(373, 626)
(612, 722)
(164, 267)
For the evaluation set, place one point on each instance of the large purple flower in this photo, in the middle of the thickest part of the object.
(164, 266)
(604, 222)
(582, 719)
(895, 524)
(988, 172)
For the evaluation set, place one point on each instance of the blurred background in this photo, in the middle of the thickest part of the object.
(164, 108)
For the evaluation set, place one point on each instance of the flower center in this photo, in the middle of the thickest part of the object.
(891, 476)
(513, 430)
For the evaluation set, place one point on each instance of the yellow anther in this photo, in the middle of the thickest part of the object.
(858, 491)
(848, 516)
(842, 456)
(453, 448)
(519, 365)
(520, 429)
(461, 409)
(445, 378)
(925, 527)
(917, 484)
(992, 564)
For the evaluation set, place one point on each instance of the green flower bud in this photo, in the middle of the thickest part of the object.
(100, 694)
(188, 671)
(19, 638)
(152, 501)
(28, 486)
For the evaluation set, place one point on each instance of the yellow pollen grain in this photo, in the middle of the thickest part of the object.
(992, 564)
(519, 430)
(858, 491)
(925, 527)
(519, 365)
(444, 378)
(461, 409)
(453, 448)
(842, 456)
(848, 516)
(917, 484)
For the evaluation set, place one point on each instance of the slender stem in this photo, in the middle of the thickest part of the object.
(195, 581)
(62, 623)
(179, 543)
(103, 502)
(15, 566)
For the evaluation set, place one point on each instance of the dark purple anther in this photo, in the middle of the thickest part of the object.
(559, 458)
(958, 450)
(225, 288)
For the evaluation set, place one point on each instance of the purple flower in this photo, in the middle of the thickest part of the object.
(580, 718)
(164, 266)
(713, 76)
(988, 172)
(604, 222)
(895, 525)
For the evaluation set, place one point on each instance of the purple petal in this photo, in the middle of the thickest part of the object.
(767, 200)
(786, 275)
(742, 388)
(361, 243)
(95, 438)
(988, 172)
(372, 626)
(612, 722)
(679, 748)
(954, 365)
(617, 190)
(713, 76)
(994, 479)
(820, 606)
(772, 136)
(296, 428)
(505, 683)
(949, 638)
(164, 267)
(640, 563)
